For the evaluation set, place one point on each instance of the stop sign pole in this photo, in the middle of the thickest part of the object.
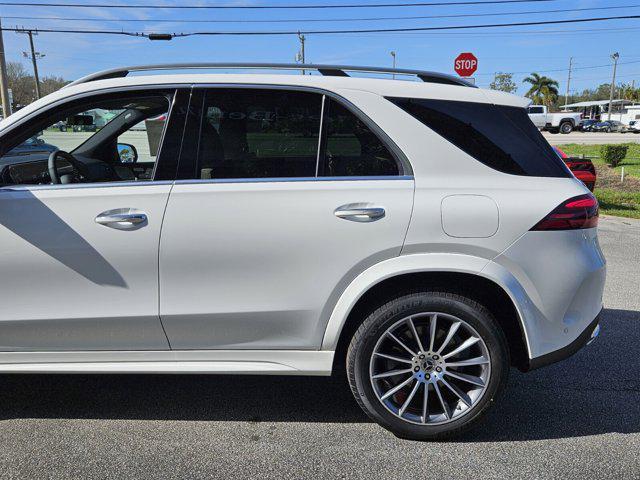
(465, 64)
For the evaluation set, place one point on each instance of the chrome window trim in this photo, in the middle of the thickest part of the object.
(292, 179)
(396, 151)
(74, 186)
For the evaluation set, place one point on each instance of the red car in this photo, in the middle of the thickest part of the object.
(582, 168)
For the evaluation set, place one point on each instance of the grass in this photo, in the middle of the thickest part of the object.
(616, 198)
(620, 204)
(631, 163)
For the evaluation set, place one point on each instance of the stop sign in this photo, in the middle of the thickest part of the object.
(465, 64)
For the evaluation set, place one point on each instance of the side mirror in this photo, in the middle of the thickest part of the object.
(127, 153)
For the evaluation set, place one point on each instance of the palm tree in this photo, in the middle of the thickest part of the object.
(544, 90)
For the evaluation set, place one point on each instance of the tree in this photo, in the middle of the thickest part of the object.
(503, 82)
(22, 85)
(544, 90)
(629, 92)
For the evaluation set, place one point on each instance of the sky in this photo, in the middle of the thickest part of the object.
(519, 50)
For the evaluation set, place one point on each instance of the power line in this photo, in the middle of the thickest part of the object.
(414, 35)
(589, 67)
(319, 20)
(272, 7)
(326, 32)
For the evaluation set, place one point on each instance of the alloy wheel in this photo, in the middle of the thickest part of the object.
(430, 368)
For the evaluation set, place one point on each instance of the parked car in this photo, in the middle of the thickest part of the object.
(563, 122)
(634, 126)
(61, 126)
(422, 237)
(33, 144)
(608, 126)
(582, 168)
(587, 125)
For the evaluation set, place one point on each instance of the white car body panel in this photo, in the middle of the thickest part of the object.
(564, 290)
(262, 273)
(253, 264)
(274, 362)
(52, 249)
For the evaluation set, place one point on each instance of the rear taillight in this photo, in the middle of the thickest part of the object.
(575, 213)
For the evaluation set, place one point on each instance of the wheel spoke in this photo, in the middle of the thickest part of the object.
(445, 407)
(401, 343)
(456, 381)
(396, 388)
(432, 330)
(425, 400)
(391, 357)
(391, 373)
(470, 362)
(464, 345)
(415, 334)
(409, 398)
(459, 393)
(452, 331)
(465, 378)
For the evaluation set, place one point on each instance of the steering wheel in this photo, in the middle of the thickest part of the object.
(53, 168)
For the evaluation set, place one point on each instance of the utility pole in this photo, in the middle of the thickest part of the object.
(4, 82)
(615, 58)
(566, 97)
(393, 54)
(34, 56)
(301, 56)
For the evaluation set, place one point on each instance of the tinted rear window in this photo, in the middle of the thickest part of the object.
(501, 137)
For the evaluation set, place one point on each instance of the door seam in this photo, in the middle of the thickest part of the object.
(164, 212)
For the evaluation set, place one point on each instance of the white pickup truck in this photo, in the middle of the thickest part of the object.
(563, 122)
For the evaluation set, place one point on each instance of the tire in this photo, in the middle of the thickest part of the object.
(566, 127)
(446, 414)
(607, 130)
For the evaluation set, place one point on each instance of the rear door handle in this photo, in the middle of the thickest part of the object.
(122, 218)
(359, 213)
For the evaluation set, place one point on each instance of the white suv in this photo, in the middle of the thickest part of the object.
(422, 235)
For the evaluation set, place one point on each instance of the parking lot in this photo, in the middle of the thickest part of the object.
(577, 419)
(591, 138)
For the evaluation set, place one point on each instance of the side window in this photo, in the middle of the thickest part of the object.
(501, 137)
(145, 139)
(107, 138)
(536, 110)
(351, 149)
(253, 133)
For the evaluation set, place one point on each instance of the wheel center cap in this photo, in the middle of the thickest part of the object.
(428, 365)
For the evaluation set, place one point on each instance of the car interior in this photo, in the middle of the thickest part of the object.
(275, 134)
(84, 143)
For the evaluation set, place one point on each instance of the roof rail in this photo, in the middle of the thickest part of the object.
(326, 70)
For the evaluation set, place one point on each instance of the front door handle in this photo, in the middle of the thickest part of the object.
(359, 213)
(122, 218)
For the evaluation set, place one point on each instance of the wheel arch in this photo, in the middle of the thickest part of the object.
(444, 272)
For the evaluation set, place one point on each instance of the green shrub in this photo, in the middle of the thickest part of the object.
(613, 154)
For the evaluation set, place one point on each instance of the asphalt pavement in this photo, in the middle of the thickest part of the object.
(576, 419)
